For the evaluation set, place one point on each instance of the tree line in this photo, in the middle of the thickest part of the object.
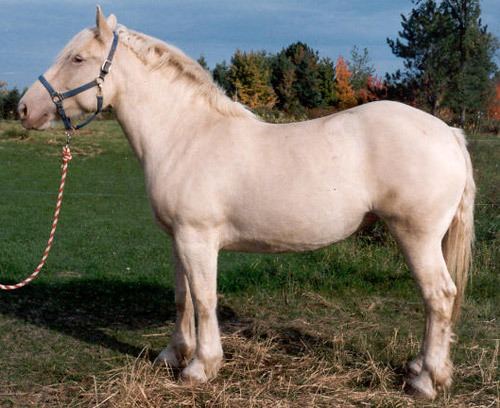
(449, 70)
(9, 99)
(297, 80)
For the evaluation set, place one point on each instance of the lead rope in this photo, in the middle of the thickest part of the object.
(66, 158)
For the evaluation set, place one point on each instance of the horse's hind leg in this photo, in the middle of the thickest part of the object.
(183, 340)
(425, 258)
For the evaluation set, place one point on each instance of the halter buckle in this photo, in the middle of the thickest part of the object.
(106, 67)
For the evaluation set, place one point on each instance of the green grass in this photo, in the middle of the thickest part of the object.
(106, 291)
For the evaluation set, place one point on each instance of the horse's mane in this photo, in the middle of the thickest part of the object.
(158, 55)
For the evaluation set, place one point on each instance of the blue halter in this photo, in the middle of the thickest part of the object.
(58, 97)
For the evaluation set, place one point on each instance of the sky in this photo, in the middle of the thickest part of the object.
(32, 32)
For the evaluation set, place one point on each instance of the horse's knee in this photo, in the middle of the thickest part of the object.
(206, 307)
(183, 305)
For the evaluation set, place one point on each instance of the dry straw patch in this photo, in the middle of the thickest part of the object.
(256, 374)
(260, 372)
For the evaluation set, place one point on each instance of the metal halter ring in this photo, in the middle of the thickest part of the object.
(57, 98)
(99, 82)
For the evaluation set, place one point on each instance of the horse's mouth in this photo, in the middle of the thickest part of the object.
(42, 123)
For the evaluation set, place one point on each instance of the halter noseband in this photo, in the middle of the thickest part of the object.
(58, 97)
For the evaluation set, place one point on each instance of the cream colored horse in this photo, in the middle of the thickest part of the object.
(220, 178)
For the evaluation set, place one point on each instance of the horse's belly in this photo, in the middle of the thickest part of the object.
(274, 246)
(292, 231)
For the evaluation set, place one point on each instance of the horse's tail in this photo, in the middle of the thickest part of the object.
(458, 241)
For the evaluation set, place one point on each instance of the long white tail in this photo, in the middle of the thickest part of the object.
(458, 241)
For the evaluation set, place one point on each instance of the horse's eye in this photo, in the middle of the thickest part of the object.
(77, 59)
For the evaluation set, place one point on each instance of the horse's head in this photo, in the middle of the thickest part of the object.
(79, 63)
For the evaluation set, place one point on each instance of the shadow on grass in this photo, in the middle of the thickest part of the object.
(88, 309)
(91, 310)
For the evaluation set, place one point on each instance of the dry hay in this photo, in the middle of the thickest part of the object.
(261, 372)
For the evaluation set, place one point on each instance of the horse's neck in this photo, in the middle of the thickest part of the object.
(156, 114)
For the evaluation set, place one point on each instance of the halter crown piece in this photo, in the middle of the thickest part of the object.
(58, 97)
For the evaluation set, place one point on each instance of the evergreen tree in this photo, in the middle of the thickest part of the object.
(3, 92)
(361, 68)
(283, 79)
(301, 79)
(448, 55)
(307, 84)
(425, 48)
(328, 88)
(221, 75)
(203, 62)
(8, 103)
(401, 87)
(471, 87)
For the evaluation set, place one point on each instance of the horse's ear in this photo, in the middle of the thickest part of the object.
(112, 22)
(102, 25)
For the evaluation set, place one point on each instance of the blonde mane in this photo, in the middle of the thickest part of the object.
(158, 55)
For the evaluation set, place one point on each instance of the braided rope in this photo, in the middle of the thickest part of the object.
(66, 157)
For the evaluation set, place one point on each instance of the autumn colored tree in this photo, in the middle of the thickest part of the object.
(367, 86)
(250, 77)
(373, 90)
(345, 92)
(494, 108)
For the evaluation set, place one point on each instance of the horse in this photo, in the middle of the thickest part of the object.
(220, 178)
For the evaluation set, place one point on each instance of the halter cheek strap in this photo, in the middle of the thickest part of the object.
(57, 97)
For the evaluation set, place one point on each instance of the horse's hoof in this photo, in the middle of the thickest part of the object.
(194, 373)
(421, 386)
(168, 357)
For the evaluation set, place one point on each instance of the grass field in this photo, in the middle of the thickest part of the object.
(334, 327)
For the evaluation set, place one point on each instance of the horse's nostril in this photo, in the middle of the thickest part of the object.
(22, 109)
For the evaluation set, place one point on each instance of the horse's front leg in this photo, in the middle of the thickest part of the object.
(197, 251)
(183, 341)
